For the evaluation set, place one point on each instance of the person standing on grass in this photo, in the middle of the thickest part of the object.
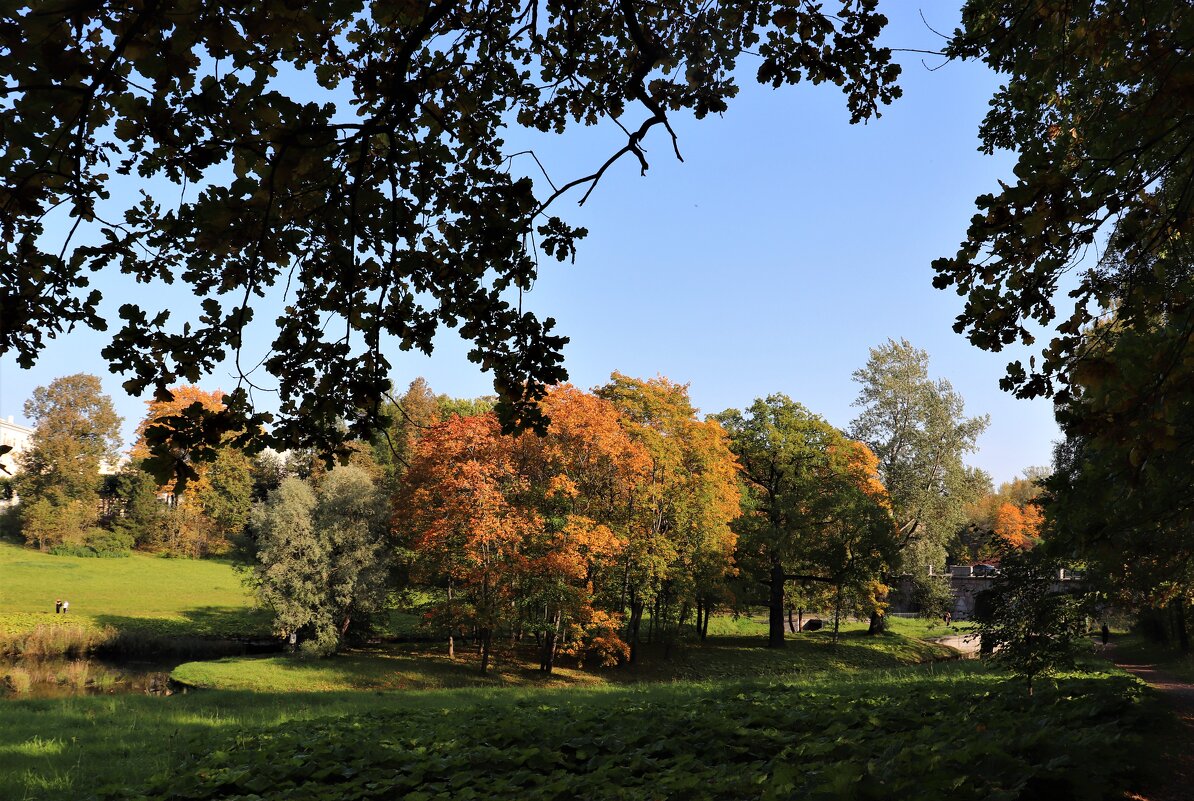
(58, 606)
(1104, 634)
(65, 606)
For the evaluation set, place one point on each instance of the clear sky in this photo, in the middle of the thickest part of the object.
(785, 246)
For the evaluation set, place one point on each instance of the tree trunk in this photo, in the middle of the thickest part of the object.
(837, 613)
(791, 619)
(705, 626)
(547, 658)
(878, 623)
(1179, 620)
(775, 608)
(485, 639)
(800, 618)
(636, 619)
(700, 616)
(451, 646)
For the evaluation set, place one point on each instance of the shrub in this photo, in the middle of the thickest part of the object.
(17, 680)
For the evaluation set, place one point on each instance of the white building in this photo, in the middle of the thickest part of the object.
(17, 437)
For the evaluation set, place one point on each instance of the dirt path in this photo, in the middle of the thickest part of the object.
(1177, 782)
(967, 644)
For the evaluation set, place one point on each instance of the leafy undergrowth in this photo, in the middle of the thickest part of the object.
(959, 733)
(418, 666)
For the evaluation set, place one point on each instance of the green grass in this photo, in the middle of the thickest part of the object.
(168, 597)
(417, 666)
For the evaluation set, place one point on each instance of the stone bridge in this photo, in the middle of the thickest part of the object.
(965, 584)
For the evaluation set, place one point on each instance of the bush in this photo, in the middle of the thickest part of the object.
(17, 680)
(100, 543)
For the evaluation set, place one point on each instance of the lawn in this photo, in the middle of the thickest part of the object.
(404, 666)
(190, 597)
(956, 730)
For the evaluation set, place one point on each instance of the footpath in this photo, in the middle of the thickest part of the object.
(1177, 782)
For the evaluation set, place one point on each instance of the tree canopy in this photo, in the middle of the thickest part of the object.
(347, 162)
(1095, 103)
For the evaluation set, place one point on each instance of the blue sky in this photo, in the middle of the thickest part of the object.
(785, 246)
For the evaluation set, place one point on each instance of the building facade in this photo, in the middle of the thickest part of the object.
(17, 437)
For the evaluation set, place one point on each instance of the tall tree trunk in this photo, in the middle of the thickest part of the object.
(636, 619)
(800, 618)
(705, 625)
(878, 623)
(547, 657)
(791, 619)
(700, 617)
(451, 646)
(775, 608)
(837, 613)
(1179, 620)
(485, 640)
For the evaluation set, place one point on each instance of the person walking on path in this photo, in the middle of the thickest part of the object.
(58, 606)
(1104, 634)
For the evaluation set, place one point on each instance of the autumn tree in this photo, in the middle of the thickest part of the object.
(460, 516)
(210, 507)
(1009, 515)
(917, 428)
(681, 544)
(815, 512)
(375, 196)
(582, 478)
(322, 561)
(76, 432)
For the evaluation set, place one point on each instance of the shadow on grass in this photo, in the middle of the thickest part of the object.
(204, 621)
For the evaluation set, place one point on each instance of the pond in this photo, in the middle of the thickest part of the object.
(59, 677)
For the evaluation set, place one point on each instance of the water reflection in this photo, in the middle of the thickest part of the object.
(23, 678)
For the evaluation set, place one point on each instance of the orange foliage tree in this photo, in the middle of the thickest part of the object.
(583, 473)
(554, 535)
(461, 518)
(1018, 527)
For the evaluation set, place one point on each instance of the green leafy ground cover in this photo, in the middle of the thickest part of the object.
(958, 732)
(168, 597)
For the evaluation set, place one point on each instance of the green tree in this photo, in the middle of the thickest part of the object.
(917, 428)
(77, 431)
(814, 510)
(1094, 101)
(226, 494)
(380, 187)
(1031, 625)
(322, 562)
(144, 515)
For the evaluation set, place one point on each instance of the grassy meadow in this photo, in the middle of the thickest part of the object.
(167, 597)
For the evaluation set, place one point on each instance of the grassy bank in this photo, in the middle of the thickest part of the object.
(954, 730)
(166, 598)
(418, 666)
